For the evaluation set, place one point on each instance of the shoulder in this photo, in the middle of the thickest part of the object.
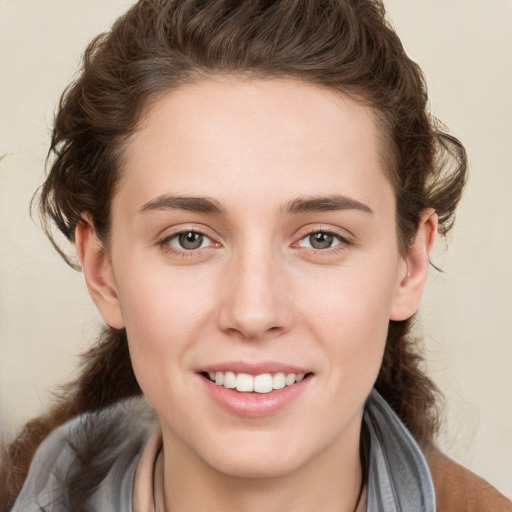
(90, 459)
(459, 490)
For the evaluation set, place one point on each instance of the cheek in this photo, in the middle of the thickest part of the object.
(158, 298)
(164, 313)
(350, 315)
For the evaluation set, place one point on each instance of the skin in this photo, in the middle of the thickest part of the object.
(256, 290)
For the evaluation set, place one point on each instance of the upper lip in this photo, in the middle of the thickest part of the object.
(253, 368)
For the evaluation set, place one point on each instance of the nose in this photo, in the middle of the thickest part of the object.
(253, 298)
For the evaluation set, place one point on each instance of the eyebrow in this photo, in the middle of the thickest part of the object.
(188, 203)
(303, 204)
(334, 202)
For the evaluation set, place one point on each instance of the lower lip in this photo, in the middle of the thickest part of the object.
(255, 404)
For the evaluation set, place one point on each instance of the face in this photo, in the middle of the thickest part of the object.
(254, 243)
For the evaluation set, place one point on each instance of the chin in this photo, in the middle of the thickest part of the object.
(257, 458)
(257, 467)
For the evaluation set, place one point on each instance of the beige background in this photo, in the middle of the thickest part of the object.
(465, 49)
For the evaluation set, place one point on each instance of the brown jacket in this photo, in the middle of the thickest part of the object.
(460, 490)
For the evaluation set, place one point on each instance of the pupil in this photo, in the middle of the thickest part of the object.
(321, 240)
(191, 240)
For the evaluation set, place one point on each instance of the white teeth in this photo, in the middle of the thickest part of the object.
(229, 380)
(290, 379)
(244, 382)
(263, 383)
(279, 381)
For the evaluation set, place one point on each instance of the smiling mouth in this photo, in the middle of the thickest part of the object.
(262, 383)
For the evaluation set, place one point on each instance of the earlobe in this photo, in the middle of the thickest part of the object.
(411, 283)
(98, 272)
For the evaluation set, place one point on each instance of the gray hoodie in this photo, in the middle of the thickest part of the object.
(397, 474)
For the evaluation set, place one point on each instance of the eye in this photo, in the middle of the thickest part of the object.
(321, 240)
(187, 240)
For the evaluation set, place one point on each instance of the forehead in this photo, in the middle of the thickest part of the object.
(260, 138)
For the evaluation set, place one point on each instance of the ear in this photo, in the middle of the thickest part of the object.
(415, 269)
(98, 272)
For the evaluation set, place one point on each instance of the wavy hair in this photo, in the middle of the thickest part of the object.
(347, 46)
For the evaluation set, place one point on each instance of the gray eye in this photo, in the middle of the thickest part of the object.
(190, 240)
(321, 240)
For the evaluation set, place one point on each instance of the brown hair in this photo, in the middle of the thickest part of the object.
(344, 45)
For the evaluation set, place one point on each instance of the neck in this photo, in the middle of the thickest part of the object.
(330, 481)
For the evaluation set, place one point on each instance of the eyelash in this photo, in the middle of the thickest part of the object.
(164, 243)
(344, 242)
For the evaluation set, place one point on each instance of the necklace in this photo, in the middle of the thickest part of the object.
(360, 501)
(159, 490)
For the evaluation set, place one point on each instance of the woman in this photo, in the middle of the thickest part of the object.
(253, 190)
